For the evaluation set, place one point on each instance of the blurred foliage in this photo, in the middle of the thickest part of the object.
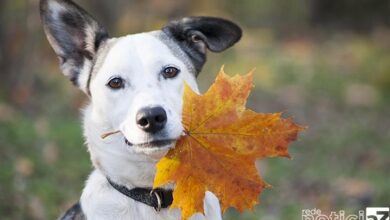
(325, 62)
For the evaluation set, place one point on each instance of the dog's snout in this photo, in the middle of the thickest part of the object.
(151, 119)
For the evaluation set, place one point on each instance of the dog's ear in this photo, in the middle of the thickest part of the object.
(75, 37)
(197, 34)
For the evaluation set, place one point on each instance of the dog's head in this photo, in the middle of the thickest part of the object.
(135, 82)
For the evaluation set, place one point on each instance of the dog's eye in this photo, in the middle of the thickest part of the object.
(116, 83)
(170, 72)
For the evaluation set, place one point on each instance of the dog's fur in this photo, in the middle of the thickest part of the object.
(90, 59)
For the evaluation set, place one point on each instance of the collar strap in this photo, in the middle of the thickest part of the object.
(157, 198)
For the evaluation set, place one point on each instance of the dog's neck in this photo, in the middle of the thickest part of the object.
(113, 158)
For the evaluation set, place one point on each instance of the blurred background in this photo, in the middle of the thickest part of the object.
(325, 62)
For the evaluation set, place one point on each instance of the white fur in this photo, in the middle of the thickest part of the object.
(138, 59)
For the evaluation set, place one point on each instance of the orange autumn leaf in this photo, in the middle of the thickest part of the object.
(222, 142)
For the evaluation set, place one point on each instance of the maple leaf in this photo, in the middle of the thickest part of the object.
(222, 141)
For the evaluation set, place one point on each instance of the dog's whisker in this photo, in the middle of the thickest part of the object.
(103, 136)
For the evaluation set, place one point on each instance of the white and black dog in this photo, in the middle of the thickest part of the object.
(135, 84)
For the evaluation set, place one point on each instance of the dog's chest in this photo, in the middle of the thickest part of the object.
(100, 201)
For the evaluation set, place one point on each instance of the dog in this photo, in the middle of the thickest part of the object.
(135, 85)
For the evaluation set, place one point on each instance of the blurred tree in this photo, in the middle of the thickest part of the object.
(361, 15)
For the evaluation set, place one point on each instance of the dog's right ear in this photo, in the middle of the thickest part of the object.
(75, 37)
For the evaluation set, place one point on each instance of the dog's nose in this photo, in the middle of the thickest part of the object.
(151, 119)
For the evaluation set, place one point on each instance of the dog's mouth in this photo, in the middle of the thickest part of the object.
(151, 144)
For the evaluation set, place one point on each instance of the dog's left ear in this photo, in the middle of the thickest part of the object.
(75, 37)
(197, 34)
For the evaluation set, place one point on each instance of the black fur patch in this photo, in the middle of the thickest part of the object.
(72, 20)
(74, 213)
(193, 34)
(101, 35)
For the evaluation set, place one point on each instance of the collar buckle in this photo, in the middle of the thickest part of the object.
(155, 193)
(156, 198)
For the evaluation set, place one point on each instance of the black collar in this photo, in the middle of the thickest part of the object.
(157, 198)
